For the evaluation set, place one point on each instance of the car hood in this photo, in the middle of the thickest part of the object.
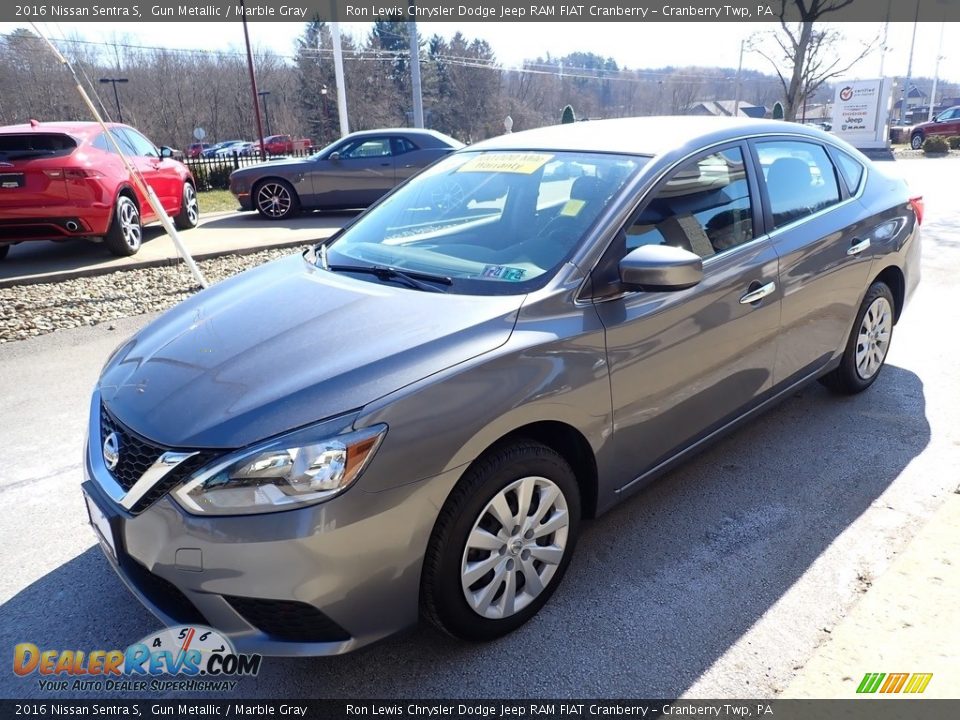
(285, 345)
(272, 164)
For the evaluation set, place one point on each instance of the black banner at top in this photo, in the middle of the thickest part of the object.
(473, 10)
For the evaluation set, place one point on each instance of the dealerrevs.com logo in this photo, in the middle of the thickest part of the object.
(197, 657)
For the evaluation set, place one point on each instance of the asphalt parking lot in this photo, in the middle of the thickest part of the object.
(720, 580)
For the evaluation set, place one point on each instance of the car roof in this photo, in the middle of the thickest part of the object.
(410, 132)
(81, 129)
(641, 135)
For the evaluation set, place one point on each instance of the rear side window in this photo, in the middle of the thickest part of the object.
(402, 145)
(851, 170)
(704, 207)
(33, 145)
(800, 179)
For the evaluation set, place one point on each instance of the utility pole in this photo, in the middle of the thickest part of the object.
(338, 74)
(936, 74)
(116, 95)
(736, 92)
(415, 71)
(266, 112)
(253, 83)
(904, 97)
(883, 44)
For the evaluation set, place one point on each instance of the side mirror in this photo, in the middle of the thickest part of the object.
(166, 152)
(334, 156)
(660, 267)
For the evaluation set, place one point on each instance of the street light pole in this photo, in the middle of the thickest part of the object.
(936, 74)
(266, 112)
(116, 95)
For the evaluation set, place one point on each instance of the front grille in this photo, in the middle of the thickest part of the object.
(162, 593)
(136, 453)
(172, 479)
(288, 619)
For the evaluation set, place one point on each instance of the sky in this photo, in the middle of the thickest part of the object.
(632, 45)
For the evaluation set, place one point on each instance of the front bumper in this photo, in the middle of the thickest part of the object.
(321, 580)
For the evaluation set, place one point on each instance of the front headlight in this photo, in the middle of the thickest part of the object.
(280, 475)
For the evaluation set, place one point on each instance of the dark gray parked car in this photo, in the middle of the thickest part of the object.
(353, 172)
(414, 419)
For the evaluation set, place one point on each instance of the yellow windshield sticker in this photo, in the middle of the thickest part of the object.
(572, 208)
(521, 163)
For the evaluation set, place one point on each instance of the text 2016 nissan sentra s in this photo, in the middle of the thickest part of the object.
(413, 419)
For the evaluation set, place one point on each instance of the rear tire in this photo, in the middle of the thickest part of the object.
(916, 141)
(189, 215)
(276, 199)
(502, 542)
(867, 345)
(125, 235)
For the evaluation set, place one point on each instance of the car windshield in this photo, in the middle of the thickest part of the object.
(494, 223)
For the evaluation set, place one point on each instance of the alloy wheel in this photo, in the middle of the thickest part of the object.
(873, 339)
(190, 201)
(515, 547)
(130, 224)
(274, 200)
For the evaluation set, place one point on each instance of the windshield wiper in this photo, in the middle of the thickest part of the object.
(382, 272)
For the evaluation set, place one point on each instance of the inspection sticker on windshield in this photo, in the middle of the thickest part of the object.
(503, 272)
(520, 163)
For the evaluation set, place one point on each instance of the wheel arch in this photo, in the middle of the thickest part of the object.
(892, 277)
(568, 442)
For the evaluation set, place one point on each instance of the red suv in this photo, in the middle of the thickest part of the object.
(195, 149)
(946, 124)
(60, 181)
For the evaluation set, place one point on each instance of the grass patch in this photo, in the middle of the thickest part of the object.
(217, 201)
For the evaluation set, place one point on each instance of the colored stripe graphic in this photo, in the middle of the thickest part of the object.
(918, 682)
(894, 683)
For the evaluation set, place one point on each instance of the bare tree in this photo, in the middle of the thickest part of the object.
(804, 55)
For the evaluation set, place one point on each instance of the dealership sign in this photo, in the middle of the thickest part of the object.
(861, 112)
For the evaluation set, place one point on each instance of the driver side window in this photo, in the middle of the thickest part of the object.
(368, 148)
(704, 207)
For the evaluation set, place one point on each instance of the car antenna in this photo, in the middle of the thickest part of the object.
(134, 173)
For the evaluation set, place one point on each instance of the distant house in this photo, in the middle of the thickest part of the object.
(915, 97)
(724, 108)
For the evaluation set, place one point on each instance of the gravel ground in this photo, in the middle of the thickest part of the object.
(31, 310)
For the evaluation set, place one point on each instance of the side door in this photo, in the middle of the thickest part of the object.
(814, 221)
(409, 159)
(159, 174)
(951, 125)
(356, 173)
(684, 363)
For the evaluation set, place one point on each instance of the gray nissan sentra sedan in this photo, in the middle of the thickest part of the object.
(413, 418)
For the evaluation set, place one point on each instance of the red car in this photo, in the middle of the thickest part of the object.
(946, 124)
(282, 144)
(60, 181)
(195, 149)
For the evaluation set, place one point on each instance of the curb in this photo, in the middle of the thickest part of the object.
(74, 273)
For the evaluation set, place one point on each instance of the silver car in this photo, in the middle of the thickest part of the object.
(352, 172)
(413, 419)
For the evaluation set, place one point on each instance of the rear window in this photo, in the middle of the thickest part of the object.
(31, 145)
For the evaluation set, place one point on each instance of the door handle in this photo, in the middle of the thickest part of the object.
(758, 294)
(858, 247)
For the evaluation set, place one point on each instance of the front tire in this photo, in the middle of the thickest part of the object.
(126, 231)
(867, 345)
(502, 542)
(189, 215)
(276, 200)
(916, 141)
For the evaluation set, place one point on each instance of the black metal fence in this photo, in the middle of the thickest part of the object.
(213, 173)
